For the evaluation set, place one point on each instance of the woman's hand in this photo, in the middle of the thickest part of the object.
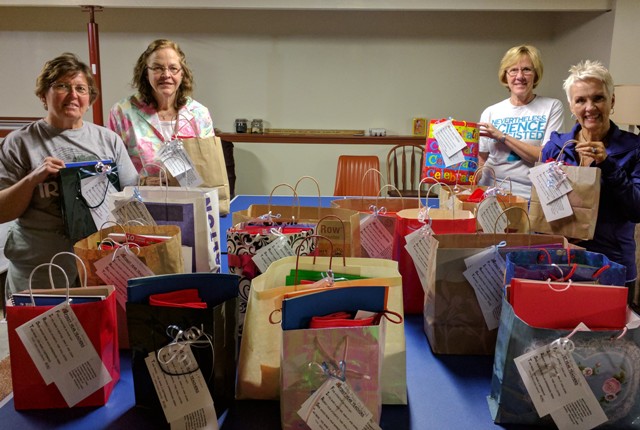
(49, 168)
(591, 151)
(488, 130)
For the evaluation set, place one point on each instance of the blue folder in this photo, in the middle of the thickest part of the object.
(297, 311)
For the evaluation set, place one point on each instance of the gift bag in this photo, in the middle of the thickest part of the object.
(409, 220)
(259, 361)
(150, 328)
(459, 173)
(453, 320)
(76, 209)
(243, 242)
(344, 231)
(584, 200)
(384, 209)
(98, 319)
(304, 352)
(609, 361)
(195, 211)
(208, 158)
(162, 258)
(564, 264)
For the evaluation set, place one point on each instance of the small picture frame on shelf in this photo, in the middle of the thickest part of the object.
(419, 127)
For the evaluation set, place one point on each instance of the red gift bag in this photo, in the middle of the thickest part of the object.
(98, 319)
(442, 221)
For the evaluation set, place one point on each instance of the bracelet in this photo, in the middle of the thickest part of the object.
(503, 138)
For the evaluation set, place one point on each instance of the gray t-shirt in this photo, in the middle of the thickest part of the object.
(38, 233)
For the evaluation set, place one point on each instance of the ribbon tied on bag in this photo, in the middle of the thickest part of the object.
(172, 357)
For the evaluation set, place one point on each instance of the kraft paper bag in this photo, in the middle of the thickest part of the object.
(208, 158)
(330, 228)
(442, 221)
(584, 200)
(453, 319)
(161, 258)
(260, 349)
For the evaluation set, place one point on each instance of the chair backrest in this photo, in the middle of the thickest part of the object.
(351, 172)
(404, 169)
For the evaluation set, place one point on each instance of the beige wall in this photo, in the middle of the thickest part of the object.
(314, 69)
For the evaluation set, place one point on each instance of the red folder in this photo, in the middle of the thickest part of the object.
(560, 305)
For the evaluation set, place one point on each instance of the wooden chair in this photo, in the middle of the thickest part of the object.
(351, 172)
(404, 169)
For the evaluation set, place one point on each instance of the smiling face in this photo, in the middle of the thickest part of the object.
(591, 104)
(164, 83)
(66, 109)
(520, 78)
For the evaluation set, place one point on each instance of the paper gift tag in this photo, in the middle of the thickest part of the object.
(486, 276)
(183, 392)
(557, 387)
(176, 160)
(132, 210)
(550, 182)
(94, 191)
(273, 251)
(375, 238)
(450, 143)
(422, 246)
(117, 268)
(490, 216)
(334, 404)
(63, 354)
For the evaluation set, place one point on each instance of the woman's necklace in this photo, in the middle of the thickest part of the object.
(167, 116)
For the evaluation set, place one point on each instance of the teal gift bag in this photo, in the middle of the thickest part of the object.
(609, 360)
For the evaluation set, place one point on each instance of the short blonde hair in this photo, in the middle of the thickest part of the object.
(513, 55)
(585, 70)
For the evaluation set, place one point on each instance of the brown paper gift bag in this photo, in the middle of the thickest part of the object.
(162, 258)
(330, 228)
(453, 320)
(584, 200)
(208, 159)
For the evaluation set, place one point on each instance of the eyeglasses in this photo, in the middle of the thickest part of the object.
(65, 88)
(158, 70)
(525, 71)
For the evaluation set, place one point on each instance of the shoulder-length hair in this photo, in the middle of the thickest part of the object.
(141, 80)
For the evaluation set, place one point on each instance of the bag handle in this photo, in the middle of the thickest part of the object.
(315, 181)
(504, 213)
(161, 171)
(33, 301)
(380, 195)
(295, 196)
(312, 236)
(453, 206)
(455, 187)
(364, 177)
(83, 283)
